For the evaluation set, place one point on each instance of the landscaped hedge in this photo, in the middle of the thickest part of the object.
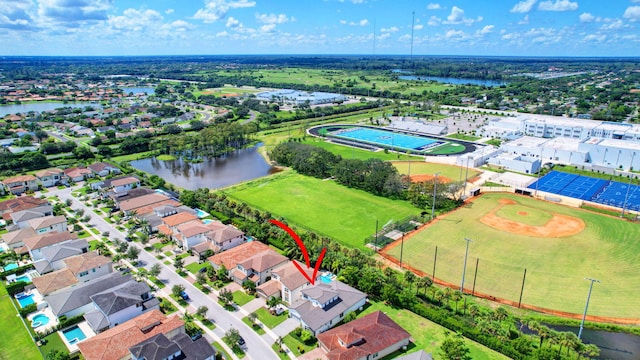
(17, 270)
(16, 287)
(28, 310)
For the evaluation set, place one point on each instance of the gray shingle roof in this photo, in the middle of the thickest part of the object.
(120, 297)
(58, 252)
(65, 300)
(161, 347)
(96, 320)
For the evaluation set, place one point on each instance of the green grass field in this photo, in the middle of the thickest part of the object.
(452, 172)
(428, 335)
(348, 152)
(606, 249)
(325, 207)
(15, 342)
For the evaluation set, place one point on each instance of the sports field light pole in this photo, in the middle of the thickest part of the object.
(464, 269)
(401, 249)
(584, 316)
(433, 203)
(626, 197)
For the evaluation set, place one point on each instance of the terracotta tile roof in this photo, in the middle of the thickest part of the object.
(85, 262)
(48, 172)
(263, 261)
(179, 218)
(140, 201)
(291, 277)
(114, 343)
(204, 246)
(192, 228)
(125, 181)
(46, 221)
(48, 239)
(220, 235)
(54, 281)
(163, 229)
(149, 208)
(21, 178)
(17, 236)
(100, 166)
(76, 172)
(21, 203)
(232, 257)
(362, 337)
(270, 288)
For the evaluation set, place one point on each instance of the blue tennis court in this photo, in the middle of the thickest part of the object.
(591, 189)
(387, 138)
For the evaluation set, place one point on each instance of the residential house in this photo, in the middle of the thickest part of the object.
(145, 204)
(133, 193)
(54, 281)
(418, 355)
(77, 174)
(170, 223)
(180, 346)
(191, 233)
(19, 184)
(219, 237)
(124, 184)
(21, 218)
(224, 237)
(18, 204)
(53, 255)
(253, 261)
(286, 283)
(51, 177)
(325, 305)
(369, 337)
(76, 300)
(89, 266)
(114, 343)
(104, 169)
(120, 304)
(36, 244)
(15, 239)
(49, 224)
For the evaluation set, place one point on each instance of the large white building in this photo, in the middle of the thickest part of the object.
(297, 97)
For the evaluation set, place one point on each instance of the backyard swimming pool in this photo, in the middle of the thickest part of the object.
(10, 266)
(25, 300)
(39, 320)
(74, 335)
(24, 278)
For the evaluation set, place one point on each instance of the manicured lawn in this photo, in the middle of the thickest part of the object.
(463, 137)
(219, 348)
(256, 327)
(54, 342)
(295, 345)
(276, 349)
(131, 157)
(240, 298)
(348, 152)
(15, 342)
(606, 248)
(93, 244)
(325, 207)
(428, 335)
(451, 172)
(236, 350)
(194, 267)
(95, 231)
(159, 245)
(270, 321)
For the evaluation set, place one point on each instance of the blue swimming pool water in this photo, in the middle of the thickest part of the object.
(387, 138)
(25, 300)
(10, 266)
(325, 279)
(39, 320)
(207, 221)
(74, 335)
(201, 213)
(24, 278)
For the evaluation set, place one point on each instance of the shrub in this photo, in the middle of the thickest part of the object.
(28, 310)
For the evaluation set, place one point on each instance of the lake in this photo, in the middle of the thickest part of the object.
(41, 106)
(138, 90)
(212, 173)
(452, 80)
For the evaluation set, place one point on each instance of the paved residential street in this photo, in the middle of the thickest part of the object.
(257, 347)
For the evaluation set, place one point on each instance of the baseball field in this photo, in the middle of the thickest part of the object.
(558, 246)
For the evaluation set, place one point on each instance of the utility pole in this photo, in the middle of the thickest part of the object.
(584, 316)
(624, 205)
(401, 249)
(464, 268)
(413, 14)
(433, 203)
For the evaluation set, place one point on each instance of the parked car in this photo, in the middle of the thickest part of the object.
(184, 295)
(241, 341)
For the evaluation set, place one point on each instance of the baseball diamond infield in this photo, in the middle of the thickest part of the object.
(558, 246)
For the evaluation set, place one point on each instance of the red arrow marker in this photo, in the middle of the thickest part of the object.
(303, 248)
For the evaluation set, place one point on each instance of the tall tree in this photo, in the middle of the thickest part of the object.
(454, 348)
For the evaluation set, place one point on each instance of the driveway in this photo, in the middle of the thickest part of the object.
(257, 348)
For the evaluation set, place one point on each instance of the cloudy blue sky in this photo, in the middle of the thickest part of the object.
(460, 27)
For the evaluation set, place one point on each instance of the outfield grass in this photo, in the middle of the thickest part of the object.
(15, 341)
(606, 249)
(452, 172)
(348, 152)
(325, 207)
(428, 335)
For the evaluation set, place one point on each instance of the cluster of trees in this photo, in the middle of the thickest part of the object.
(211, 141)
(304, 111)
(19, 163)
(50, 147)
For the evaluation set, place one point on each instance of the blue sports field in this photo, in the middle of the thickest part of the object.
(590, 189)
(388, 139)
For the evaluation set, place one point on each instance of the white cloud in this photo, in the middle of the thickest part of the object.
(215, 10)
(273, 18)
(267, 28)
(558, 5)
(362, 22)
(354, 1)
(485, 30)
(587, 18)
(457, 17)
(169, 11)
(595, 38)
(614, 25)
(632, 13)
(232, 22)
(343, 22)
(455, 34)
(74, 11)
(434, 6)
(17, 14)
(524, 20)
(418, 27)
(389, 30)
(222, 34)
(135, 20)
(523, 6)
(434, 21)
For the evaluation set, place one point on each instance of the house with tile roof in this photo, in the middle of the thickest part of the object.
(418, 355)
(286, 283)
(21, 218)
(120, 304)
(19, 184)
(104, 168)
(53, 255)
(114, 343)
(179, 346)
(20, 203)
(124, 184)
(15, 239)
(253, 261)
(369, 337)
(48, 224)
(132, 205)
(322, 305)
(36, 244)
(51, 177)
(89, 266)
(77, 174)
(54, 281)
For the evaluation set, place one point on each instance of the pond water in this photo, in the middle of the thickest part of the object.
(139, 90)
(613, 346)
(452, 80)
(212, 173)
(41, 106)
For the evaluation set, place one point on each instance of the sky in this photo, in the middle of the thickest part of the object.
(368, 27)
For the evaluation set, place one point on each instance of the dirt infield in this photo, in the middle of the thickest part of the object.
(558, 226)
(427, 177)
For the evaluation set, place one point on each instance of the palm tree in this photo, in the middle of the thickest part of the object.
(409, 278)
(423, 282)
(456, 296)
(591, 351)
(474, 311)
(544, 333)
(500, 314)
(447, 294)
